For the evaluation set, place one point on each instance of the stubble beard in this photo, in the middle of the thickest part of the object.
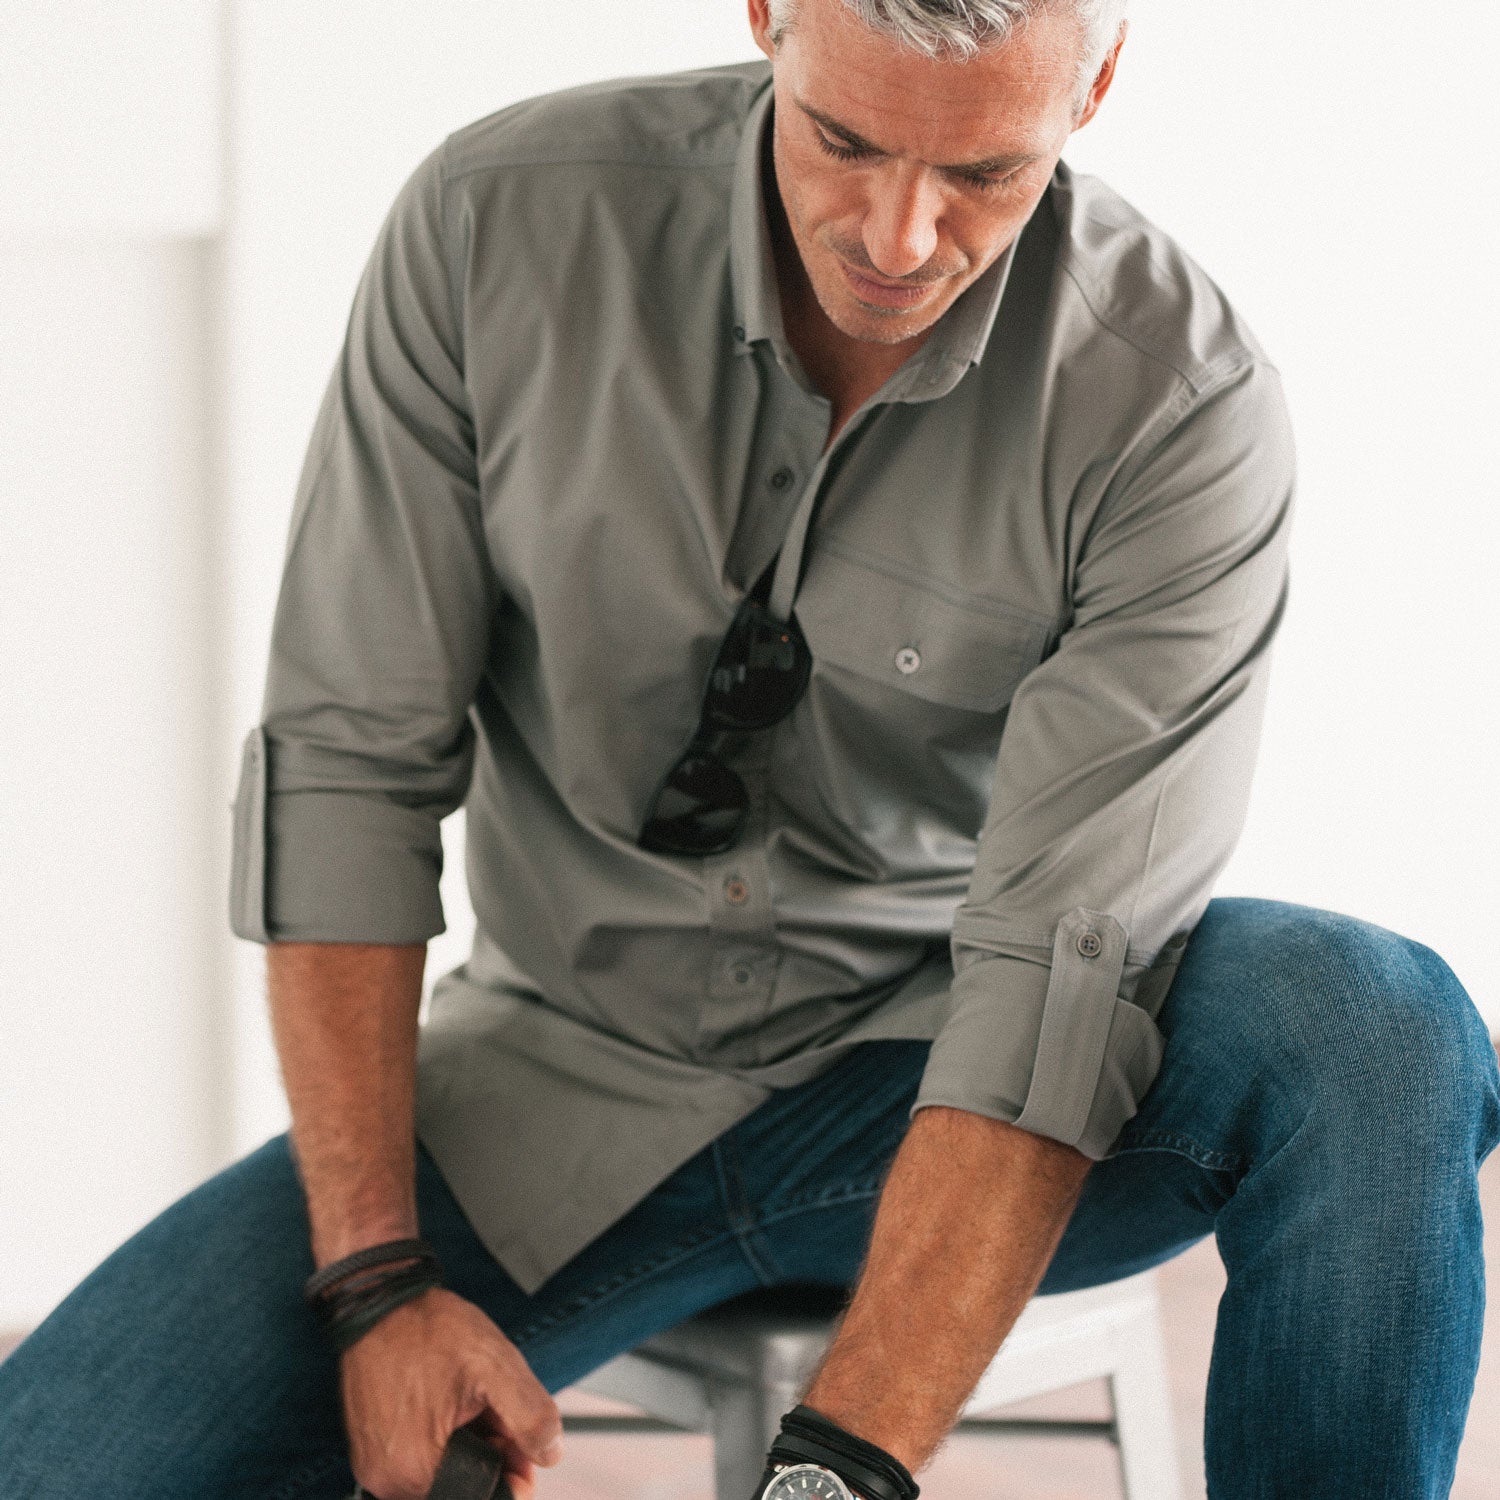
(876, 325)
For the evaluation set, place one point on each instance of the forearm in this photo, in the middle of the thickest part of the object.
(968, 1219)
(344, 1017)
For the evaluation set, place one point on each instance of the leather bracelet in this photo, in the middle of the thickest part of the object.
(347, 1322)
(351, 1295)
(807, 1436)
(362, 1260)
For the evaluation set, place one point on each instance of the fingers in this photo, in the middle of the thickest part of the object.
(431, 1366)
(522, 1411)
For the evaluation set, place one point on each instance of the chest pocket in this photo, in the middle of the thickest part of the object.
(917, 638)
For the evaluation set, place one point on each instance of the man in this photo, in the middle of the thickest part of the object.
(968, 497)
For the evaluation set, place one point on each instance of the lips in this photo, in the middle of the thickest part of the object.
(884, 293)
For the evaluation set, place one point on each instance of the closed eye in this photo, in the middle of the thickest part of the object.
(838, 150)
(842, 151)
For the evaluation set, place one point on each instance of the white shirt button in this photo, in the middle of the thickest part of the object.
(908, 659)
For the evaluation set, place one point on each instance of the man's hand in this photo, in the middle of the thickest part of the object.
(968, 1219)
(432, 1365)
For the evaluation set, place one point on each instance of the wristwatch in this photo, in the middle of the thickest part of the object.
(816, 1459)
(806, 1482)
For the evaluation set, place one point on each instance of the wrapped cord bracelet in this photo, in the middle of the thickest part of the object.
(351, 1295)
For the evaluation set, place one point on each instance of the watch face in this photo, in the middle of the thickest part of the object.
(807, 1482)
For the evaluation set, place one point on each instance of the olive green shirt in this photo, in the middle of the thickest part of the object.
(564, 435)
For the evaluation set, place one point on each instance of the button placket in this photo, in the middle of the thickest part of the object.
(789, 430)
(736, 887)
(742, 960)
(743, 954)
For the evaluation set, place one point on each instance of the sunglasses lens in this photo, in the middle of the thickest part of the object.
(700, 808)
(760, 673)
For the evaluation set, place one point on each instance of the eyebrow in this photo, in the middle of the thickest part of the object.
(1007, 162)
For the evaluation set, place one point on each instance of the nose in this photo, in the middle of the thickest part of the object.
(900, 228)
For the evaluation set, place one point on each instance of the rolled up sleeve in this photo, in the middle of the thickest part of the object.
(381, 627)
(1123, 776)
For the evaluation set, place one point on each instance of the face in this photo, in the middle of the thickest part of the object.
(902, 177)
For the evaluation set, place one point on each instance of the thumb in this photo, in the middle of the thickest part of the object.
(525, 1418)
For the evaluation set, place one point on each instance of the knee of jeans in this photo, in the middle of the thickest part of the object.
(1385, 1033)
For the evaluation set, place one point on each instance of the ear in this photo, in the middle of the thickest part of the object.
(1101, 83)
(760, 26)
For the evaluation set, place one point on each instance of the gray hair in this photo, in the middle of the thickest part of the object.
(960, 28)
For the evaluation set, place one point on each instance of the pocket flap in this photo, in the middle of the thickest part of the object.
(968, 653)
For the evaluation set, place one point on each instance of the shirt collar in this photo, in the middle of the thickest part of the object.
(957, 342)
(752, 267)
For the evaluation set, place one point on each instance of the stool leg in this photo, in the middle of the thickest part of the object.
(1143, 1415)
(746, 1420)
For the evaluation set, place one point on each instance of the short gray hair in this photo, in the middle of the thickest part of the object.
(960, 28)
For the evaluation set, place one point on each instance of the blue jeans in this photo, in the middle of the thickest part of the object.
(1327, 1093)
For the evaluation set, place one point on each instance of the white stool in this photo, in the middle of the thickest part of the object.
(734, 1370)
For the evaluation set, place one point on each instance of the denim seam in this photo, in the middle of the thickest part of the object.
(1228, 1161)
(739, 1210)
(732, 1193)
(1184, 1145)
(822, 1198)
(603, 1290)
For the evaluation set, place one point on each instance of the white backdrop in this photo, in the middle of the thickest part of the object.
(1333, 169)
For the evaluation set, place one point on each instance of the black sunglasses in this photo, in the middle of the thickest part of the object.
(758, 677)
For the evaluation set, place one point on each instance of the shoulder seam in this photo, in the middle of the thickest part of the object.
(1208, 375)
(1189, 400)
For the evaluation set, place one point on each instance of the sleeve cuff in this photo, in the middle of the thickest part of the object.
(330, 867)
(1054, 1051)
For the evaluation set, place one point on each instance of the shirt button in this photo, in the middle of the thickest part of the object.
(781, 479)
(741, 974)
(739, 333)
(1089, 944)
(908, 659)
(736, 891)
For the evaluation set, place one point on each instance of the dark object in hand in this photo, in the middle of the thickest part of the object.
(471, 1470)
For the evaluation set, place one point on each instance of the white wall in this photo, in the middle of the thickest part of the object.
(114, 988)
(112, 1062)
(1338, 186)
(110, 118)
